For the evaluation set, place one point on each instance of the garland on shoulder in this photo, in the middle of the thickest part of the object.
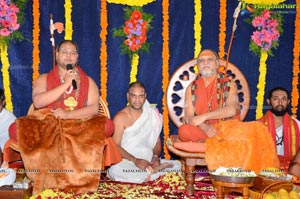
(103, 50)
(165, 66)
(69, 24)
(296, 50)
(35, 39)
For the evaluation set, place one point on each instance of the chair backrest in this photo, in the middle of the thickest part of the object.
(103, 109)
(185, 74)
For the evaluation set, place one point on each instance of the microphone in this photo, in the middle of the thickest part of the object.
(70, 67)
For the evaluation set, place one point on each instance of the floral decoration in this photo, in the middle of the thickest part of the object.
(268, 30)
(131, 2)
(11, 17)
(165, 71)
(264, 2)
(134, 31)
(296, 69)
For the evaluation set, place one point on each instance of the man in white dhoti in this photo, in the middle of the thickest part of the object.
(137, 134)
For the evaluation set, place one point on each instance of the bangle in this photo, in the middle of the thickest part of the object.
(155, 156)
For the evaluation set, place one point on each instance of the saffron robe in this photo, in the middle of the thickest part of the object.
(248, 145)
(203, 96)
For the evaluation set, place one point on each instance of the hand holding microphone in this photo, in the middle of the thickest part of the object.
(70, 67)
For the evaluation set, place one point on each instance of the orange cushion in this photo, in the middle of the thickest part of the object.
(194, 147)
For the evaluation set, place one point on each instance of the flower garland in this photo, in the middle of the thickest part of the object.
(131, 2)
(197, 27)
(6, 79)
(69, 25)
(296, 50)
(261, 84)
(103, 50)
(35, 39)
(165, 72)
(222, 33)
(11, 17)
(265, 2)
(134, 66)
(268, 29)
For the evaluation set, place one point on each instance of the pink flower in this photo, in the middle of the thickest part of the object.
(267, 36)
(13, 8)
(258, 21)
(13, 17)
(4, 32)
(273, 23)
(267, 32)
(266, 14)
(8, 18)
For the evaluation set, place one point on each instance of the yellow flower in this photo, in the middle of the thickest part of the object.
(131, 2)
(265, 2)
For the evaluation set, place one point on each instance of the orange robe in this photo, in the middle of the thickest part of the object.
(248, 145)
(203, 97)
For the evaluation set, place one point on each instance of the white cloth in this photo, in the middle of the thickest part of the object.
(139, 140)
(279, 134)
(6, 119)
(7, 176)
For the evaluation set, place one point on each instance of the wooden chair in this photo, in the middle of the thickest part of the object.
(103, 110)
(179, 81)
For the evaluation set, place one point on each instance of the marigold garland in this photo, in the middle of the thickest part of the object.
(69, 25)
(197, 26)
(131, 2)
(6, 79)
(134, 67)
(265, 2)
(222, 31)
(103, 50)
(261, 83)
(35, 39)
(296, 50)
(165, 74)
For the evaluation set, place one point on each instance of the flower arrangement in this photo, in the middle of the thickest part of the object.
(11, 16)
(268, 30)
(134, 31)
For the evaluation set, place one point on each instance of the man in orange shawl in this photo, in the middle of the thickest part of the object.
(66, 135)
(210, 100)
(203, 97)
(283, 128)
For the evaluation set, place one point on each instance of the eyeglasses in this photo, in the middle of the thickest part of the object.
(208, 60)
